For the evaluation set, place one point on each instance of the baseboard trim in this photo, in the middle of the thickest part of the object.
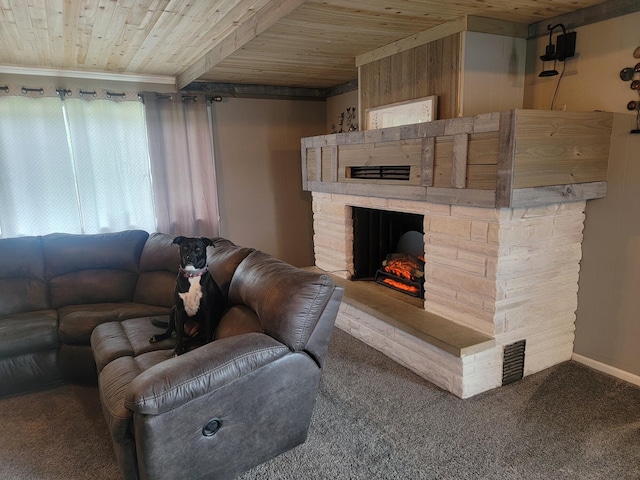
(603, 367)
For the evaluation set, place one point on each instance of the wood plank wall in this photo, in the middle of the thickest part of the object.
(429, 69)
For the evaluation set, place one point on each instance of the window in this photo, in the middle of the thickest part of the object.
(73, 166)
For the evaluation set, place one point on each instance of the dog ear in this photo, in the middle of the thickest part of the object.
(207, 241)
(178, 240)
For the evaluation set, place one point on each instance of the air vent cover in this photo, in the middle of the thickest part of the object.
(393, 172)
(513, 362)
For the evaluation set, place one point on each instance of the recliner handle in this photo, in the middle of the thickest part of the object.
(212, 427)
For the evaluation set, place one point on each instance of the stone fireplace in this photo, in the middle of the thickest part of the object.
(510, 273)
(502, 198)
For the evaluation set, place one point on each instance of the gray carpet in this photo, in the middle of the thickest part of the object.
(376, 420)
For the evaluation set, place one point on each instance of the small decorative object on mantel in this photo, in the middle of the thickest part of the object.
(346, 121)
(627, 74)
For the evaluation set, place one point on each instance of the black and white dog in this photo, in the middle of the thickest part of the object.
(199, 302)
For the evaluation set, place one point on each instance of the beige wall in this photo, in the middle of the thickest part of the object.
(607, 325)
(258, 168)
(592, 78)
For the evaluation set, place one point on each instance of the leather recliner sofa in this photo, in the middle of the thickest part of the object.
(229, 405)
(54, 290)
(71, 303)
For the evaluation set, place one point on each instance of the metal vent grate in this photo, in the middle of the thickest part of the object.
(395, 172)
(513, 362)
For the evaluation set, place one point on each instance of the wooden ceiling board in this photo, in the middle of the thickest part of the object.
(311, 43)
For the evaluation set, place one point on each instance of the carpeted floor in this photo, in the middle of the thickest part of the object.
(376, 420)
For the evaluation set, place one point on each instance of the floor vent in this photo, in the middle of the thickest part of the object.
(396, 172)
(513, 362)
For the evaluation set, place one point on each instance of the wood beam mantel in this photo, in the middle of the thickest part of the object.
(496, 160)
(246, 20)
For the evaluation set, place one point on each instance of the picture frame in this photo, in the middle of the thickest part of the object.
(402, 113)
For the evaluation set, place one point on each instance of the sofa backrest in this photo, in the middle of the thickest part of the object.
(160, 261)
(159, 264)
(296, 307)
(223, 259)
(22, 276)
(92, 268)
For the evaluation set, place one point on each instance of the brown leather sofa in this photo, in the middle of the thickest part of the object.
(69, 303)
(55, 289)
(229, 405)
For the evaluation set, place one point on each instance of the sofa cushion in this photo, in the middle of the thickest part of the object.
(92, 268)
(22, 276)
(29, 371)
(30, 332)
(155, 288)
(78, 321)
(237, 320)
(23, 295)
(128, 338)
(223, 259)
(92, 286)
(159, 264)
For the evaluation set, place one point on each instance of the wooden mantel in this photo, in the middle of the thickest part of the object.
(505, 159)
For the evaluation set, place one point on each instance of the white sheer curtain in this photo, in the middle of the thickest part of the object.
(37, 187)
(182, 164)
(108, 141)
(73, 165)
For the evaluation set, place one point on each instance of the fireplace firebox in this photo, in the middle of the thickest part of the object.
(388, 248)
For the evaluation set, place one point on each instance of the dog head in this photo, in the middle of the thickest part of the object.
(193, 253)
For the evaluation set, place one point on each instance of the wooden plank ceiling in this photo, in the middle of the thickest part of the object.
(292, 43)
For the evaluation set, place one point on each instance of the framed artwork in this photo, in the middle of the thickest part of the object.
(402, 113)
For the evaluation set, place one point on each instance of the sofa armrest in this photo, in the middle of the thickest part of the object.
(178, 380)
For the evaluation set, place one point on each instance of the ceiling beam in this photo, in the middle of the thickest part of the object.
(270, 91)
(244, 31)
(256, 91)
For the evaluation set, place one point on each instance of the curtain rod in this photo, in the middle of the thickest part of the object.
(67, 92)
(187, 97)
(27, 90)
